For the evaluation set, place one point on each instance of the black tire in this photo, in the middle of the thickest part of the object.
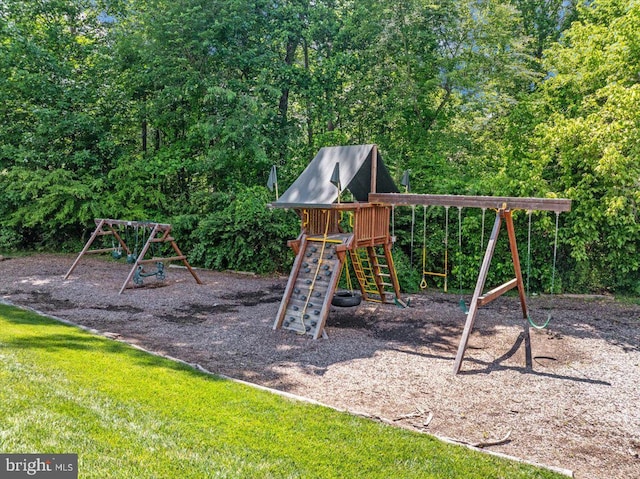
(346, 299)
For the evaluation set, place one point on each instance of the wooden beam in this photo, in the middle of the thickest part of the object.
(467, 201)
(374, 168)
(497, 292)
(111, 222)
(473, 308)
(94, 235)
(162, 260)
(103, 250)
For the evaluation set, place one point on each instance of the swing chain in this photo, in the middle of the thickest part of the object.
(553, 268)
(117, 251)
(462, 303)
(423, 283)
(133, 257)
(413, 222)
(425, 273)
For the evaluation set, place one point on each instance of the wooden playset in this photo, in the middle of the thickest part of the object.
(152, 235)
(325, 243)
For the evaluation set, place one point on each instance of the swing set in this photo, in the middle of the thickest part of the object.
(504, 206)
(121, 237)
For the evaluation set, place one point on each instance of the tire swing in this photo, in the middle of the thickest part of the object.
(347, 298)
(553, 270)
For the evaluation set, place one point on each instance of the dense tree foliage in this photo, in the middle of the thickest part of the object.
(176, 110)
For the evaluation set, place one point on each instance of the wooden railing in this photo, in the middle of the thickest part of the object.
(314, 221)
(370, 223)
(371, 226)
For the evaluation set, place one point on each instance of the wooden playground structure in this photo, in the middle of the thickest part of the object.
(159, 233)
(324, 243)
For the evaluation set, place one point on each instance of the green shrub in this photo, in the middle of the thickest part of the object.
(241, 233)
(10, 239)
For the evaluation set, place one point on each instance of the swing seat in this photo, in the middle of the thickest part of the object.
(140, 274)
(400, 303)
(463, 306)
(538, 326)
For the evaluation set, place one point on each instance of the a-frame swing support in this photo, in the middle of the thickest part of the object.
(504, 207)
(160, 233)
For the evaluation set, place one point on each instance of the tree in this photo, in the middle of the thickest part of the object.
(589, 145)
(56, 142)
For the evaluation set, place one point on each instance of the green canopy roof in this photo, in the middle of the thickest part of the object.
(314, 187)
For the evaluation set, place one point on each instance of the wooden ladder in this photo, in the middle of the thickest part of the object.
(374, 268)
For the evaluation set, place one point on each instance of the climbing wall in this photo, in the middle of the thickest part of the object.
(312, 283)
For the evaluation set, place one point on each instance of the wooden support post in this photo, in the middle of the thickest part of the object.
(140, 257)
(374, 169)
(513, 246)
(97, 232)
(288, 290)
(392, 270)
(326, 302)
(114, 232)
(479, 300)
(473, 308)
(521, 291)
(182, 257)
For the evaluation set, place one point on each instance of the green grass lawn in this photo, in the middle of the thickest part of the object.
(129, 414)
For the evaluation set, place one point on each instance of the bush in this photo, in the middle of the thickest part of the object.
(240, 233)
(10, 240)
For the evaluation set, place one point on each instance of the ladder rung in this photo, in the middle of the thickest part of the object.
(429, 273)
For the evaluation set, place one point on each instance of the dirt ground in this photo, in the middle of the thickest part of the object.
(575, 408)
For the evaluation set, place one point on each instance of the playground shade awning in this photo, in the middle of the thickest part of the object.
(314, 188)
